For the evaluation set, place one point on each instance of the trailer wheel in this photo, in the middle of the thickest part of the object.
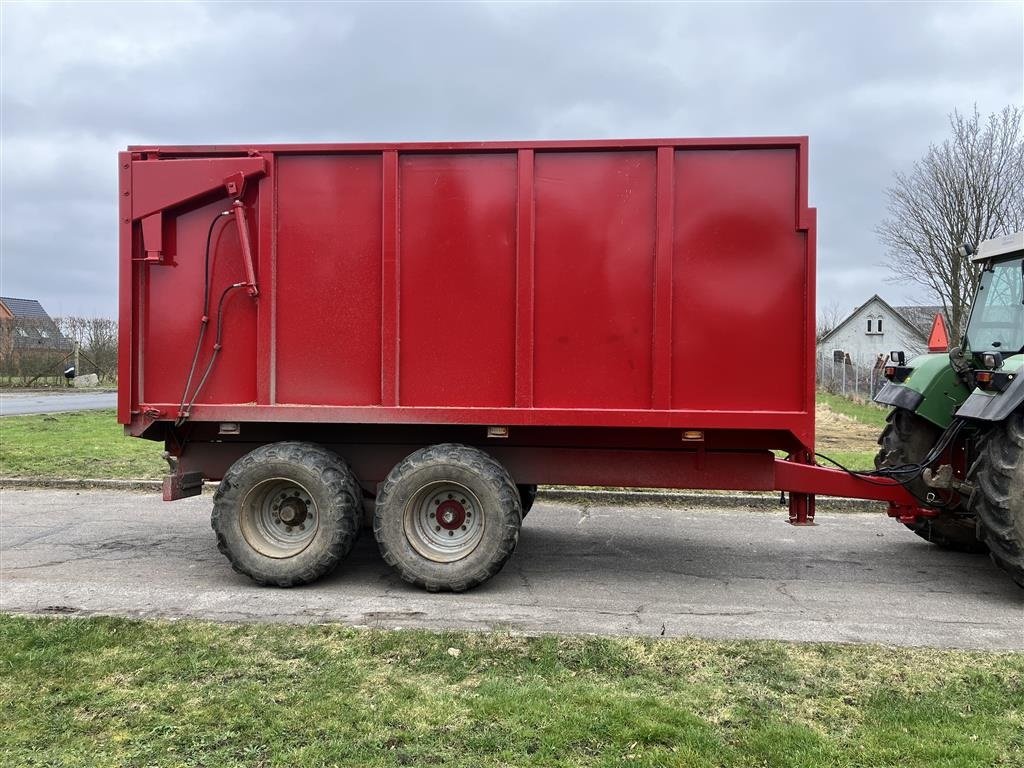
(527, 495)
(906, 439)
(287, 513)
(447, 518)
(999, 502)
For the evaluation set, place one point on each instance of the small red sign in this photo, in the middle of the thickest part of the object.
(939, 339)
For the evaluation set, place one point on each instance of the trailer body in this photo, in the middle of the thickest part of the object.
(627, 313)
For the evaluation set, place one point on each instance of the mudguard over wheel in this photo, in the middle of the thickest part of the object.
(287, 513)
(906, 439)
(999, 500)
(447, 518)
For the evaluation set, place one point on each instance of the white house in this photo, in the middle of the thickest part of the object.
(876, 328)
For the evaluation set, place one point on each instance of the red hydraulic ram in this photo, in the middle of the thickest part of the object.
(623, 313)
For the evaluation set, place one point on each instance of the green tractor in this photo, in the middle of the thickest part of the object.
(955, 435)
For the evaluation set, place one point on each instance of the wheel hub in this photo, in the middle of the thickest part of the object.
(293, 511)
(278, 517)
(450, 515)
(444, 521)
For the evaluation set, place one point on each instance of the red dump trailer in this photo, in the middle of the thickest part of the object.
(442, 327)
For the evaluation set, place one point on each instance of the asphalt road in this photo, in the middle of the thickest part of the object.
(25, 403)
(723, 573)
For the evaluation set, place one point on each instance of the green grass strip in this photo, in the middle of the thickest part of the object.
(113, 692)
(87, 444)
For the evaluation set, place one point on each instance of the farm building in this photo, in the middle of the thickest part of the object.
(877, 328)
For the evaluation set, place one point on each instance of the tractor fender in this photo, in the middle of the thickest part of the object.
(899, 396)
(932, 390)
(994, 406)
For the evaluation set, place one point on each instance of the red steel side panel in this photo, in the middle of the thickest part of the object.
(329, 279)
(174, 305)
(457, 285)
(594, 254)
(740, 279)
(664, 282)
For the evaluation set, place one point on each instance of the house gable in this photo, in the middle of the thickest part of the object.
(873, 329)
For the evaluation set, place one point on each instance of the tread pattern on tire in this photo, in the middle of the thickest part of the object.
(999, 500)
(906, 439)
(463, 574)
(340, 528)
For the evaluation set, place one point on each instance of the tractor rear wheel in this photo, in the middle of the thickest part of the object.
(999, 501)
(906, 439)
(447, 518)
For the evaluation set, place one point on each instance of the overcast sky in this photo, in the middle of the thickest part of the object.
(871, 84)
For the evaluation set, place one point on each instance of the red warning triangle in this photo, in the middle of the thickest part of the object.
(939, 339)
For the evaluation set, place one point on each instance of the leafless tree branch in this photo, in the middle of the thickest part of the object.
(967, 189)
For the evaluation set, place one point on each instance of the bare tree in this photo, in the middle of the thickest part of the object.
(829, 318)
(967, 189)
(97, 339)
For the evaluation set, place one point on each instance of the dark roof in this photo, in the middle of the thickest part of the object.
(30, 309)
(31, 328)
(920, 317)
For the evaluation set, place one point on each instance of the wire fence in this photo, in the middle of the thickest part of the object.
(849, 379)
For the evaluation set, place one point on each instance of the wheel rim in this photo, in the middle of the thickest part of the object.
(279, 518)
(444, 521)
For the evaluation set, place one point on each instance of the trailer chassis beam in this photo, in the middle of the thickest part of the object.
(552, 465)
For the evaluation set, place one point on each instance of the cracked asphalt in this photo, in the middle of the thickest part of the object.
(634, 570)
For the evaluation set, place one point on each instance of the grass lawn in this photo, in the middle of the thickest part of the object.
(858, 461)
(848, 430)
(866, 413)
(87, 444)
(114, 692)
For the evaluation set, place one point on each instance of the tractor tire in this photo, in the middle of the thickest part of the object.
(287, 513)
(906, 439)
(527, 495)
(447, 518)
(999, 500)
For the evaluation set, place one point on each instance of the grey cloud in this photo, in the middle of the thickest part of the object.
(870, 83)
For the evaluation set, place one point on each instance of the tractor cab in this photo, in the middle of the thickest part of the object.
(997, 320)
(992, 352)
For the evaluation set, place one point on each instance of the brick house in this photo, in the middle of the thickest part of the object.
(29, 339)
